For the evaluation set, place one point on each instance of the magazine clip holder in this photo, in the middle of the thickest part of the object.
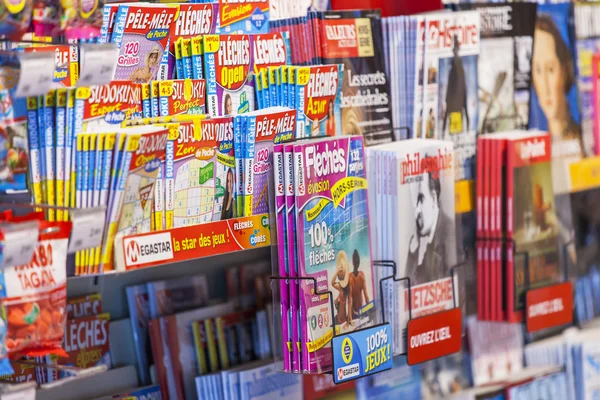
(32, 74)
(337, 351)
(547, 307)
(28, 74)
(455, 302)
(71, 373)
(23, 390)
(538, 294)
(97, 63)
(87, 223)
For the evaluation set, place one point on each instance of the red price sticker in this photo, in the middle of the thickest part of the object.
(434, 336)
(549, 306)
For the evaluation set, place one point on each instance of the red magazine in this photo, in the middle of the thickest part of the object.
(158, 355)
(84, 306)
(479, 234)
(501, 149)
(596, 76)
(486, 227)
(493, 229)
(531, 219)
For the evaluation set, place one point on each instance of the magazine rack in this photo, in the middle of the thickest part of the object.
(335, 350)
(74, 373)
(544, 306)
(32, 74)
(456, 309)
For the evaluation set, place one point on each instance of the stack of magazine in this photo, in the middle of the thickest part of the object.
(433, 90)
(412, 208)
(504, 67)
(517, 226)
(323, 234)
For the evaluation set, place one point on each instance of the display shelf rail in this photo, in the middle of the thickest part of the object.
(192, 242)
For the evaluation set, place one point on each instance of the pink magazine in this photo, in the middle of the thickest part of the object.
(291, 253)
(596, 76)
(333, 245)
(286, 318)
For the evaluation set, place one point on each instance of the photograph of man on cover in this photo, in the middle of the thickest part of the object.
(554, 95)
(429, 253)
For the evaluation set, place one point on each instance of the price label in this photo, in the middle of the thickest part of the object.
(361, 353)
(88, 228)
(98, 63)
(36, 73)
(20, 240)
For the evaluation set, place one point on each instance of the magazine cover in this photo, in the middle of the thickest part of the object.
(271, 50)
(130, 204)
(168, 297)
(142, 40)
(401, 382)
(84, 306)
(587, 44)
(139, 314)
(249, 16)
(228, 58)
(554, 96)
(264, 382)
(496, 350)
(317, 94)
(181, 96)
(420, 188)
(418, 80)
(142, 393)
(450, 98)
(585, 219)
(193, 21)
(86, 336)
(265, 128)
(224, 166)
(352, 39)
(200, 178)
(16, 137)
(105, 106)
(180, 341)
(333, 244)
(504, 65)
(533, 223)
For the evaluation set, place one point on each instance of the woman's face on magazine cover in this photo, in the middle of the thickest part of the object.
(548, 76)
(229, 181)
(153, 60)
(228, 106)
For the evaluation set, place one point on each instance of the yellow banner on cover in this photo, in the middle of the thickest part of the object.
(346, 186)
(316, 210)
(585, 174)
(320, 342)
(464, 196)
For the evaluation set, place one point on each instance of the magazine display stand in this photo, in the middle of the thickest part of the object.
(344, 345)
(546, 306)
(417, 350)
(194, 242)
(97, 67)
